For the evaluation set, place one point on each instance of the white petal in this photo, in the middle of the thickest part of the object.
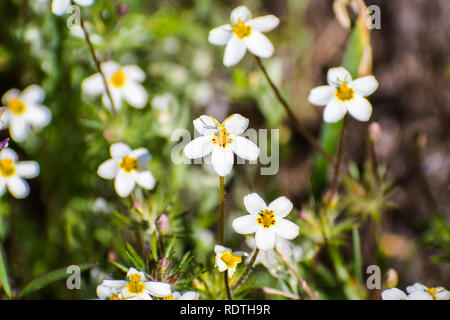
(416, 286)
(221, 266)
(38, 116)
(321, 95)
(198, 147)
(360, 108)
(59, 7)
(116, 95)
(124, 184)
(27, 169)
(108, 169)
(135, 271)
(281, 207)
(119, 150)
(234, 51)
(2, 186)
(135, 94)
(442, 294)
(221, 35)
(244, 148)
(116, 285)
(254, 204)
(93, 85)
(231, 271)
(283, 246)
(222, 160)
(240, 13)
(286, 229)
(10, 94)
(336, 76)
(141, 155)
(259, 45)
(393, 294)
(84, 3)
(190, 295)
(205, 125)
(236, 124)
(334, 111)
(18, 187)
(18, 129)
(364, 86)
(8, 153)
(265, 23)
(265, 239)
(144, 179)
(246, 224)
(104, 292)
(109, 68)
(33, 94)
(419, 295)
(158, 289)
(134, 72)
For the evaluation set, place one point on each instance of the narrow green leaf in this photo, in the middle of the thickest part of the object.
(154, 248)
(357, 253)
(4, 280)
(134, 257)
(119, 266)
(169, 249)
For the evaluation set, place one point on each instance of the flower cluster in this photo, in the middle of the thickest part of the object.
(416, 292)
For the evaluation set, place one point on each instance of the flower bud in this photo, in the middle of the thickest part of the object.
(163, 223)
(163, 263)
(122, 9)
(374, 131)
(391, 278)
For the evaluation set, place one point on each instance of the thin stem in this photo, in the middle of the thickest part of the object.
(280, 293)
(222, 211)
(298, 125)
(338, 160)
(97, 63)
(300, 279)
(227, 285)
(372, 157)
(247, 271)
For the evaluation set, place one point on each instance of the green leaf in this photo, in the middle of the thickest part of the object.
(4, 281)
(119, 266)
(357, 253)
(135, 259)
(49, 278)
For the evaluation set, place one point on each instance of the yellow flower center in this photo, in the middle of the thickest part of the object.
(7, 168)
(344, 93)
(128, 164)
(135, 285)
(266, 218)
(16, 106)
(230, 259)
(241, 30)
(432, 292)
(222, 138)
(114, 297)
(118, 79)
(169, 297)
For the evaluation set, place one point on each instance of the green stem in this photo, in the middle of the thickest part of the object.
(227, 285)
(222, 211)
(247, 271)
(335, 180)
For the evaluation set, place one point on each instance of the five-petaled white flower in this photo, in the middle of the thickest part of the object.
(25, 109)
(123, 83)
(226, 259)
(343, 94)
(59, 7)
(136, 288)
(420, 292)
(244, 33)
(127, 167)
(266, 221)
(222, 140)
(12, 173)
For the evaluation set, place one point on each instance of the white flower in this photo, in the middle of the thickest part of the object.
(127, 167)
(59, 7)
(188, 295)
(266, 221)
(123, 83)
(244, 33)
(25, 109)
(221, 140)
(343, 94)
(136, 288)
(393, 294)
(12, 174)
(420, 292)
(227, 260)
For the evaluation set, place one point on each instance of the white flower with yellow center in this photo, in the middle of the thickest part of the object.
(420, 292)
(226, 259)
(24, 110)
(222, 140)
(59, 7)
(244, 33)
(267, 222)
(136, 288)
(127, 168)
(123, 83)
(12, 174)
(188, 295)
(393, 294)
(343, 94)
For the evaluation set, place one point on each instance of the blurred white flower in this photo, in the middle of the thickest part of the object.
(25, 109)
(78, 32)
(12, 174)
(202, 62)
(420, 292)
(266, 221)
(136, 288)
(123, 83)
(59, 7)
(226, 259)
(127, 167)
(343, 94)
(202, 93)
(244, 33)
(393, 294)
(222, 141)
(188, 295)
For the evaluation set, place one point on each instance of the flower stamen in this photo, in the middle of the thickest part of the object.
(7, 168)
(230, 259)
(266, 218)
(16, 106)
(222, 138)
(129, 164)
(135, 286)
(344, 93)
(118, 79)
(241, 30)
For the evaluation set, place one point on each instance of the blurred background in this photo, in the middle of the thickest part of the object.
(72, 216)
